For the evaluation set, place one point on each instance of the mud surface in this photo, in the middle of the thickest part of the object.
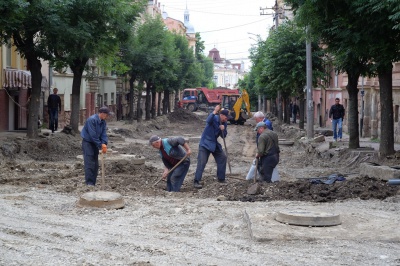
(51, 160)
(49, 166)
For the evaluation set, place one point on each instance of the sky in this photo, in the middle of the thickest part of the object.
(230, 26)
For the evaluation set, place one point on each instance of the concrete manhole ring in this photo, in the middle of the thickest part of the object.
(286, 142)
(101, 199)
(137, 159)
(308, 218)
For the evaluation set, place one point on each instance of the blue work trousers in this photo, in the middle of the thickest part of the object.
(202, 159)
(337, 128)
(53, 113)
(91, 162)
(177, 176)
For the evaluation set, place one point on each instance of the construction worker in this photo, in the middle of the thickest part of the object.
(215, 127)
(260, 117)
(267, 151)
(172, 152)
(94, 138)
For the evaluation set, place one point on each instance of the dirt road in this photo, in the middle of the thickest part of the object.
(41, 181)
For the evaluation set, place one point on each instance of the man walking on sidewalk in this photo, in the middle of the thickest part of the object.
(54, 106)
(336, 114)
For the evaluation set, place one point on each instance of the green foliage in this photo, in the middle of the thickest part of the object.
(279, 63)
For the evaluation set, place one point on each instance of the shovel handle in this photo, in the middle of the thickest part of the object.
(255, 175)
(172, 169)
(102, 171)
(226, 150)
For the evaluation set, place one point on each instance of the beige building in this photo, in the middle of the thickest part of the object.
(226, 74)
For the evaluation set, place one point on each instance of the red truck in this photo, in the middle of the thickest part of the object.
(204, 98)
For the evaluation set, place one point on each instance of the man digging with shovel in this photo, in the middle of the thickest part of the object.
(215, 127)
(94, 138)
(267, 151)
(175, 154)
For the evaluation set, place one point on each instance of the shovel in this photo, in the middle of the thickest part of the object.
(172, 169)
(226, 150)
(255, 187)
(102, 171)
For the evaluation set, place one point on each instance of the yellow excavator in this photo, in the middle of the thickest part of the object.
(238, 105)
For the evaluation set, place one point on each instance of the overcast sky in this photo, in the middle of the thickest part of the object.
(225, 24)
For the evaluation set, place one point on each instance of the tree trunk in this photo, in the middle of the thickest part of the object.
(77, 67)
(301, 110)
(159, 104)
(386, 145)
(153, 102)
(131, 98)
(286, 109)
(148, 99)
(138, 107)
(352, 112)
(34, 102)
(165, 101)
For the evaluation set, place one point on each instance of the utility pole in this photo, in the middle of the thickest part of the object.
(310, 105)
(276, 13)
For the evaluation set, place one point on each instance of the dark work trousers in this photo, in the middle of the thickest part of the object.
(176, 177)
(91, 162)
(53, 113)
(267, 164)
(202, 159)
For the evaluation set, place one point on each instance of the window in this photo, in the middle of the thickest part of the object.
(396, 113)
(105, 99)
(112, 98)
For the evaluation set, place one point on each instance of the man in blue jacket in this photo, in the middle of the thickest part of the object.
(215, 127)
(94, 138)
(172, 151)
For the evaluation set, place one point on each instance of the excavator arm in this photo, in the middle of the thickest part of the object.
(244, 98)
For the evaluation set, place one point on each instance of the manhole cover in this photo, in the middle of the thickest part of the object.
(308, 218)
(101, 199)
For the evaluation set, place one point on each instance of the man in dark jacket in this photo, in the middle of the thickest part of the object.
(336, 114)
(172, 151)
(215, 127)
(53, 106)
(267, 151)
(94, 138)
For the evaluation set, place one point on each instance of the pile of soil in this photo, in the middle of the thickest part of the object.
(183, 116)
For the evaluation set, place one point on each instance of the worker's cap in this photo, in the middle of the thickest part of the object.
(226, 113)
(104, 110)
(260, 124)
(153, 139)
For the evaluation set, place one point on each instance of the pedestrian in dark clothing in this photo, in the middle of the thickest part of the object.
(267, 151)
(336, 114)
(216, 126)
(172, 151)
(296, 110)
(53, 107)
(94, 138)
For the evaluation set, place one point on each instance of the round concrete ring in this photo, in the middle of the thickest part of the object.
(308, 218)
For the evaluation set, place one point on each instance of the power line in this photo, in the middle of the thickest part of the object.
(213, 13)
(234, 27)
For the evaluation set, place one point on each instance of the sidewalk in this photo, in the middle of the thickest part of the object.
(364, 142)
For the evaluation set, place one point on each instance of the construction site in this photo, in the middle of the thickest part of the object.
(42, 182)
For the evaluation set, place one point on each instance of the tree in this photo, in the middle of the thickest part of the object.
(22, 22)
(84, 29)
(280, 64)
(348, 29)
